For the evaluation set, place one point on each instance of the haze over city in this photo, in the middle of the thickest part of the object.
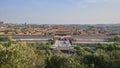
(60, 11)
(59, 33)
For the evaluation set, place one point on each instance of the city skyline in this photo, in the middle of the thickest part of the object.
(60, 11)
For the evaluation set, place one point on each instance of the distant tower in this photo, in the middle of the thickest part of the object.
(25, 23)
(1, 22)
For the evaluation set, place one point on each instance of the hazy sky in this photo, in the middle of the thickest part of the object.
(60, 11)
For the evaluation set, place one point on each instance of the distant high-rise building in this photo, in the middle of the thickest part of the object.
(1, 22)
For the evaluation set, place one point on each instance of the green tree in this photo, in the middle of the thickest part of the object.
(17, 56)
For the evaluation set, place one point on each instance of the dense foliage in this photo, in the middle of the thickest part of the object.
(114, 39)
(24, 55)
